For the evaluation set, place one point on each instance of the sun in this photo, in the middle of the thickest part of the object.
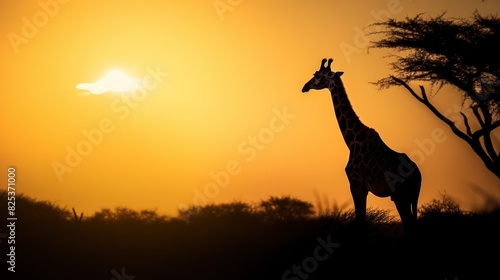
(114, 81)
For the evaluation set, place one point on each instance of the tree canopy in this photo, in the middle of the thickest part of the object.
(460, 52)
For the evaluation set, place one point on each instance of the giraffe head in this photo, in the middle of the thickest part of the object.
(323, 78)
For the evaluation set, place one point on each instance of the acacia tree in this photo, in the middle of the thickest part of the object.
(463, 53)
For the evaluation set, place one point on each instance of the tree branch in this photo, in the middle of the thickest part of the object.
(467, 126)
(482, 131)
(478, 116)
(424, 100)
(474, 143)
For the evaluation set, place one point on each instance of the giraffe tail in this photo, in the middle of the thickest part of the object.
(414, 209)
(416, 194)
(414, 202)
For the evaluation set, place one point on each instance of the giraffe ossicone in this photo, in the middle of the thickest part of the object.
(372, 166)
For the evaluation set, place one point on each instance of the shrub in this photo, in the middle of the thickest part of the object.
(439, 207)
(285, 208)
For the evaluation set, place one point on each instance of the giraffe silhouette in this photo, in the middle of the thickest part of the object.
(372, 165)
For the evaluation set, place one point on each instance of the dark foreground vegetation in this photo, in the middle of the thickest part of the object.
(280, 238)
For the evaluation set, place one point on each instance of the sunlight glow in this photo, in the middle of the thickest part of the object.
(115, 81)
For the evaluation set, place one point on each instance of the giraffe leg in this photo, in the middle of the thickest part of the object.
(359, 196)
(407, 199)
(360, 206)
(408, 219)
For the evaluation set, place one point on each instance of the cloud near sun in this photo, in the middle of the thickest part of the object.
(114, 81)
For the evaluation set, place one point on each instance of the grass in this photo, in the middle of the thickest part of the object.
(274, 239)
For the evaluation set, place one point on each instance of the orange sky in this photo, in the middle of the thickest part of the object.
(216, 76)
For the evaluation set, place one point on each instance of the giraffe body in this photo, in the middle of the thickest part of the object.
(372, 166)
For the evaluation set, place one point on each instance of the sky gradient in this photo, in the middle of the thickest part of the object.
(220, 115)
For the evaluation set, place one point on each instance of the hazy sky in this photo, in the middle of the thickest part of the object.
(220, 116)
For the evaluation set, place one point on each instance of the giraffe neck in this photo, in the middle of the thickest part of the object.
(349, 122)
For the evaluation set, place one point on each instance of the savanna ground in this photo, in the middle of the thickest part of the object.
(279, 238)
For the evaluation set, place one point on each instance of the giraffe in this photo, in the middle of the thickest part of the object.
(372, 165)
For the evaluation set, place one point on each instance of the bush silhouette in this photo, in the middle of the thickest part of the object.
(285, 208)
(248, 241)
(32, 210)
(234, 210)
(123, 214)
(440, 207)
